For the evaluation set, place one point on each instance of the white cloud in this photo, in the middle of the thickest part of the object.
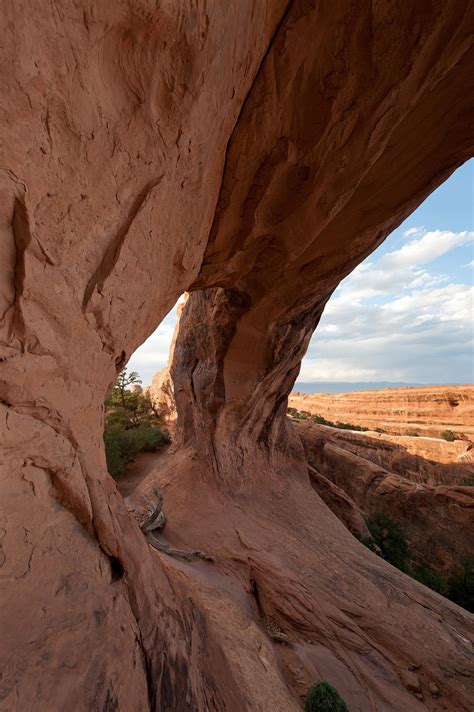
(392, 320)
(412, 231)
(343, 370)
(152, 355)
(425, 247)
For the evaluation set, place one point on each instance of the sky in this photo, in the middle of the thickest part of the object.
(404, 314)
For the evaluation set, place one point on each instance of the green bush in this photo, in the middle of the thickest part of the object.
(143, 438)
(132, 423)
(388, 534)
(461, 587)
(412, 434)
(114, 454)
(118, 418)
(368, 542)
(449, 436)
(323, 697)
(431, 578)
(122, 445)
(320, 420)
(349, 426)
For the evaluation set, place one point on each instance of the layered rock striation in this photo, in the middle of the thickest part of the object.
(252, 154)
(432, 501)
(424, 460)
(427, 410)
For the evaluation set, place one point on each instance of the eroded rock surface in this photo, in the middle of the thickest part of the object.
(426, 460)
(438, 519)
(256, 152)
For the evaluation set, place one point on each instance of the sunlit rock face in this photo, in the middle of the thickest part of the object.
(252, 153)
(429, 410)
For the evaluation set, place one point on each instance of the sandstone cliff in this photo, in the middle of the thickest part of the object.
(251, 153)
(428, 460)
(438, 518)
(429, 410)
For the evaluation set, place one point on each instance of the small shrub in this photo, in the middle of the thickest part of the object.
(118, 418)
(350, 426)
(468, 482)
(368, 542)
(143, 438)
(389, 536)
(320, 420)
(132, 423)
(122, 445)
(461, 587)
(114, 455)
(431, 578)
(449, 436)
(412, 434)
(298, 414)
(323, 697)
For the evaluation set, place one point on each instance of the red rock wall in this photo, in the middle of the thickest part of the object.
(115, 122)
(418, 459)
(437, 519)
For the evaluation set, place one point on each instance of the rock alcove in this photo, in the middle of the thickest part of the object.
(251, 154)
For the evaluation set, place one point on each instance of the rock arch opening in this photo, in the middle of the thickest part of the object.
(400, 270)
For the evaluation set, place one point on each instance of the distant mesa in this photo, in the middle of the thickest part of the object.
(350, 386)
(416, 410)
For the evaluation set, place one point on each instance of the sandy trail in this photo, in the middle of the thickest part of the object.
(142, 466)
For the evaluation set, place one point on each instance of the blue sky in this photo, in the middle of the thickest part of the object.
(405, 314)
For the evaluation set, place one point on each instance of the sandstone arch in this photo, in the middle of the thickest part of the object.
(252, 153)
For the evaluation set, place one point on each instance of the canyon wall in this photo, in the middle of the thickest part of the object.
(427, 410)
(420, 459)
(431, 500)
(253, 154)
